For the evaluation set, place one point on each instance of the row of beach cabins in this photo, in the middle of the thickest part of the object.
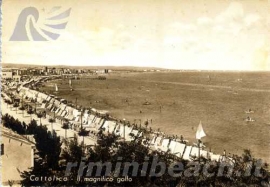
(94, 121)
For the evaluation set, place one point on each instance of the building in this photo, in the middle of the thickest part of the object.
(16, 78)
(17, 155)
(103, 71)
(6, 73)
(10, 73)
(23, 71)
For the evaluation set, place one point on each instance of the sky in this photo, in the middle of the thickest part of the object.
(174, 34)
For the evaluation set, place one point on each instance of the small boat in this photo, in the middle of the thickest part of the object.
(146, 103)
(248, 119)
(56, 88)
(249, 112)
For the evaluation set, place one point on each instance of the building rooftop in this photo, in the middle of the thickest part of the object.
(5, 132)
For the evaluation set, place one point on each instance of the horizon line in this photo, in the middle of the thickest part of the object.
(132, 66)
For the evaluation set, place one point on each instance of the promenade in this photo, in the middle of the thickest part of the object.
(23, 116)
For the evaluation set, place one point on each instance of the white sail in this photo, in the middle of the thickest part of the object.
(69, 82)
(56, 88)
(200, 132)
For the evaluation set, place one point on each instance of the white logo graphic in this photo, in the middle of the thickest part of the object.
(30, 28)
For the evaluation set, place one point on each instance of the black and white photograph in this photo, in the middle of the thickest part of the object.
(143, 93)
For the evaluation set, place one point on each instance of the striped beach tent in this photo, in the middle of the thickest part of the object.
(215, 157)
(177, 148)
(124, 131)
(112, 126)
(165, 145)
(194, 152)
(153, 140)
(186, 154)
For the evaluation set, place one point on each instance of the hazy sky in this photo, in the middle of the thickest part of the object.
(179, 34)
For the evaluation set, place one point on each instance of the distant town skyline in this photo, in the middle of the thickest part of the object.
(172, 34)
